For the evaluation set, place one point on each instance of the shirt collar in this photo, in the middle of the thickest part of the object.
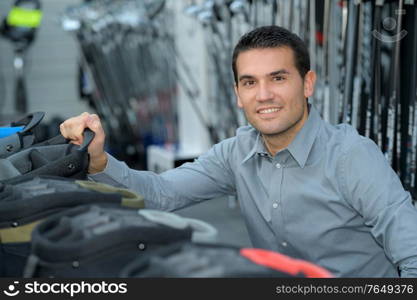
(301, 146)
(258, 147)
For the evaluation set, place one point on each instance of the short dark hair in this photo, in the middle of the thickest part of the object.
(273, 37)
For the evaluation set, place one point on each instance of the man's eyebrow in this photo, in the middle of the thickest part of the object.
(279, 72)
(243, 77)
(274, 73)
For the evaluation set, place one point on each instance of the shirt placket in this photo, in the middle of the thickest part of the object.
(277, 213)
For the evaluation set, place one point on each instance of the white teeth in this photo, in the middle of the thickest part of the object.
(269, 110)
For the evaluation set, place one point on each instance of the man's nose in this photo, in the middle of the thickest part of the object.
(264, 92)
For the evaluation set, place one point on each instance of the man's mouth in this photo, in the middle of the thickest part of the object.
(269, 110)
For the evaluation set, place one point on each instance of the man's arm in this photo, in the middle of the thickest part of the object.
(374, 190)
(208, 177)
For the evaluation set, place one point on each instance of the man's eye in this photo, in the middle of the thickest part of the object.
(278, 78)
(248, 83)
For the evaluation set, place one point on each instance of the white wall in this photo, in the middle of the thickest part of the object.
(194, 138)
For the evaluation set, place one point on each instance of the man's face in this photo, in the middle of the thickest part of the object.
(271, 91)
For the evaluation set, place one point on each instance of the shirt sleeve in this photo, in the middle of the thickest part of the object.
(208, 177)
(374, 190)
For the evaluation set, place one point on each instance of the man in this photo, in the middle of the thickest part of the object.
(306, 188)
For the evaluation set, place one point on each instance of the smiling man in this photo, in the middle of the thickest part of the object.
(272, 92)
(306, 188)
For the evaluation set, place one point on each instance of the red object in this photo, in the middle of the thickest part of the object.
(284, 263)
(319, 37)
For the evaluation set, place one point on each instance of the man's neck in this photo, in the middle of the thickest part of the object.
(275, 143)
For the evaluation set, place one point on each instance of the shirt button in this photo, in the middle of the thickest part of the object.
(284, 244)
(278, 165)
(275, 205)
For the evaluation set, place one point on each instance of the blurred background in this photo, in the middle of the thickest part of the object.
(158, 72)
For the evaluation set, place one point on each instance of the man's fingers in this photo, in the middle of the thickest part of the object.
(93, 122)
(73, 128)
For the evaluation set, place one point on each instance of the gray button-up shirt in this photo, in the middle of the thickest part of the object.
(330, 197)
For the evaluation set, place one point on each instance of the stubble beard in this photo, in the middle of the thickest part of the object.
(285, 131)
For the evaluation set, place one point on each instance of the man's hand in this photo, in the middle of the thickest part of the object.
(73, 129)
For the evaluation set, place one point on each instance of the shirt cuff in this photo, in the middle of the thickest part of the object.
(115, 173)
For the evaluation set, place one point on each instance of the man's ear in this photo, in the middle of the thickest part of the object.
(239, 103)
(309, 83)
